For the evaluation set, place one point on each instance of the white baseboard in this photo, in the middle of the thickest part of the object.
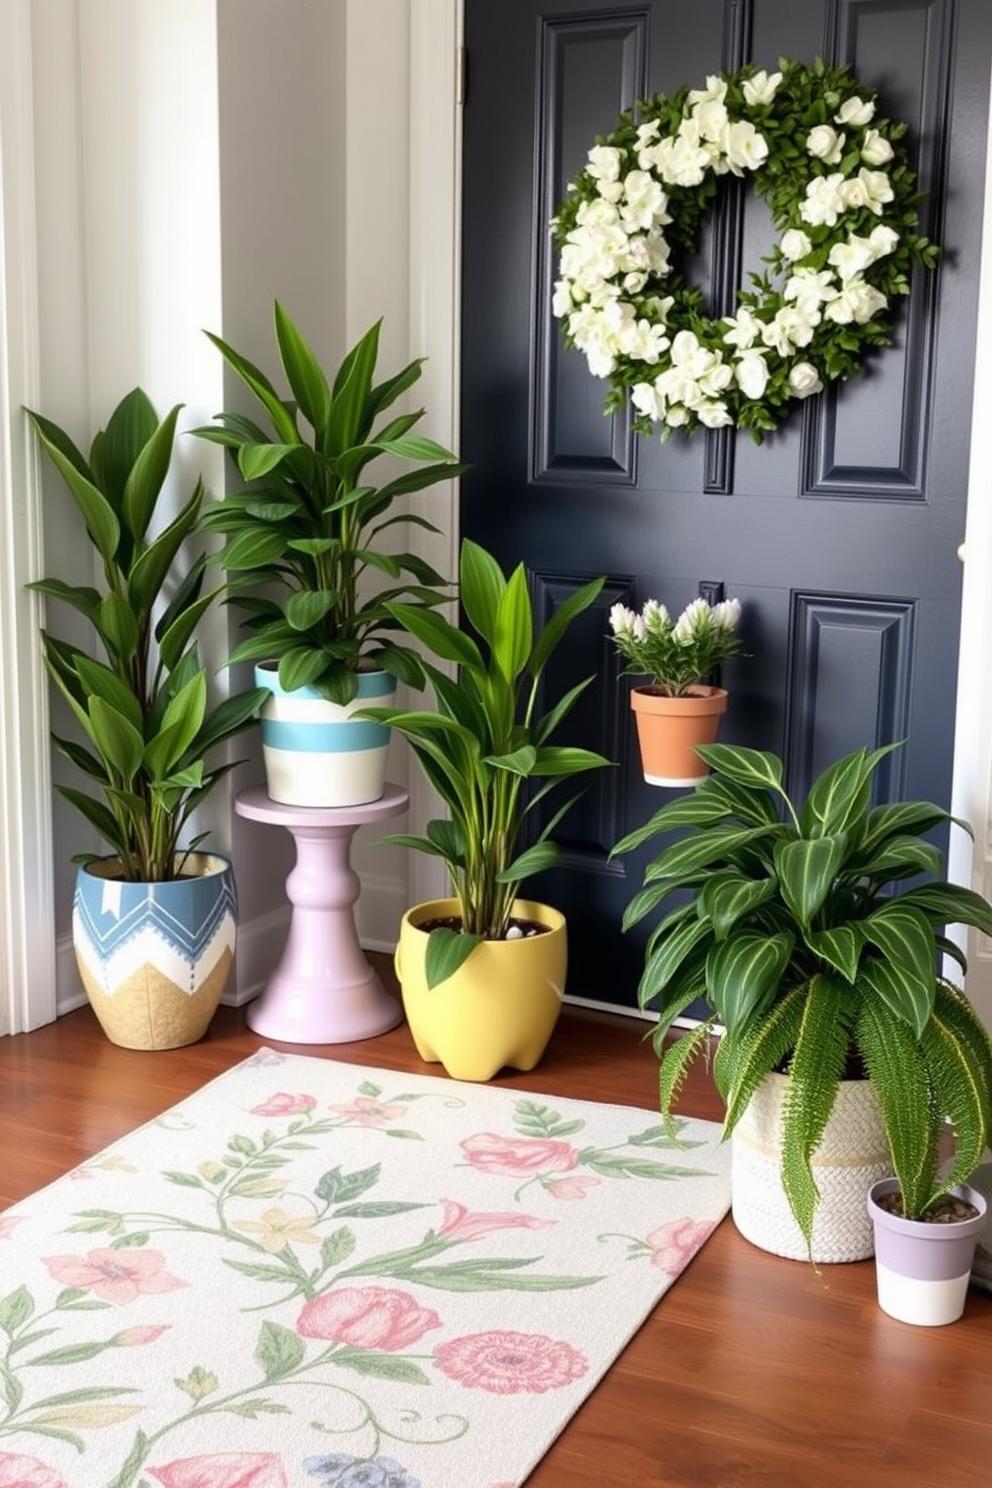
(69, 990)
(383, 903)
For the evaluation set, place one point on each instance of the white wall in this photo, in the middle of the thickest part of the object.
(192, 162)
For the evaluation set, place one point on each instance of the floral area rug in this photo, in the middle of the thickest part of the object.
(312, 1273)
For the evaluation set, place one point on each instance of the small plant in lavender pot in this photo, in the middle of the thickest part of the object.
(676, 709)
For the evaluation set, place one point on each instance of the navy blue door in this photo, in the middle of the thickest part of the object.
(839, 534)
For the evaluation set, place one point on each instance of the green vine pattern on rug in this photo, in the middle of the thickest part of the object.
(315, 1251)
(836, 178)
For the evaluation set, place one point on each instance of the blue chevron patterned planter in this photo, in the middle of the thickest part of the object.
(315, 755)
(155, 958)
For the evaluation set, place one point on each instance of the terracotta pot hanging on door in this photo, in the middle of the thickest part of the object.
(669, 728)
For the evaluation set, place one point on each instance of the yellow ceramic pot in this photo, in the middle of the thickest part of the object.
(500, 1007)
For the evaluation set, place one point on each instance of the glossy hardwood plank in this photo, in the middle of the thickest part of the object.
(752, 1373)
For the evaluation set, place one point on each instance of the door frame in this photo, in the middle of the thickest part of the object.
(437, 34)
(27, 911)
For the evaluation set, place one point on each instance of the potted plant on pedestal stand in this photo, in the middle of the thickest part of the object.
(154, 924)
(676, 709)
(819, 964)
(483, 973)
(305, 558)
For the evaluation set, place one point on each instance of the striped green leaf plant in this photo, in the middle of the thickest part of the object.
(815, 933)
(308, 540)
(146, 726)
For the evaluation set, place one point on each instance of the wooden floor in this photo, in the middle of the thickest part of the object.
(750, 1374)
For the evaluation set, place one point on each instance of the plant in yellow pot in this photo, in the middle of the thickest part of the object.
(483, 973)
(676, 710)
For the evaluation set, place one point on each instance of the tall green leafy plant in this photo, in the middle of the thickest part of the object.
(487, 747)
(805, 932)
(304, 538)
(143, 710)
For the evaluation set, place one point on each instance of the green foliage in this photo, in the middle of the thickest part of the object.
(486, 742)
(143, 711)
(300, 539)
(809, 940)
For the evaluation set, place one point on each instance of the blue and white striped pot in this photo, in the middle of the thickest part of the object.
(315, 755)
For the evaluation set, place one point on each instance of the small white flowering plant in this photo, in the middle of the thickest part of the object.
(842, 196)
(675, 654)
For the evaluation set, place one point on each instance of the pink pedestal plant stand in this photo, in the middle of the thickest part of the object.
(323, 991)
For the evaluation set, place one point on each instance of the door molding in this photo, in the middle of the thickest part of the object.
(436, 78)
(970, 862)
(27, 910)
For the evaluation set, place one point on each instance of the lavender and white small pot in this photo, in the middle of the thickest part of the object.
(922, 1270)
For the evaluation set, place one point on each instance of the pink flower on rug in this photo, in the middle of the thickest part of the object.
(571, 1188)
(27, 1472)
(7, 1224)
(114, 1275)
(369, 1112)
(459, 1224)
(223, 1470)
(518, 1157)
(367, 1317)
(284, 1104)
(509, 1363)
(673, 1245)
(133, 1337)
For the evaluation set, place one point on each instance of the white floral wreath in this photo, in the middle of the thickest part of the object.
(842, 197)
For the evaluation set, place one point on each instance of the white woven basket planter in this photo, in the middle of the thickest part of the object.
(851, 1157)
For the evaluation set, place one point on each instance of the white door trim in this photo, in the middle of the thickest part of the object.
(436, 31)
(27, 913)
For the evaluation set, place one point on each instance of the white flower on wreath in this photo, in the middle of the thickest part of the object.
(682, 159)
(745, 328)
(825, 144)
(644, 204)
(883, 240)
(761, 88)
(714, 92)
(877, 188)
(745, 148)
(795, 244)
(856, 111)
(852, 257)
(810, 287)
(751, 373)
(711, 120)
(824, 200)
(804, 380)
(876, 149)
(858, 301)
(616, 256)
(604, 164)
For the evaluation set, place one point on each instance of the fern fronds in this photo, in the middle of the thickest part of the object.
(676, 1062)
(958, 1015)
(897, 1070)
(815, 1073)
(743, 1060)
(958, 1055)
(672, 1009)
